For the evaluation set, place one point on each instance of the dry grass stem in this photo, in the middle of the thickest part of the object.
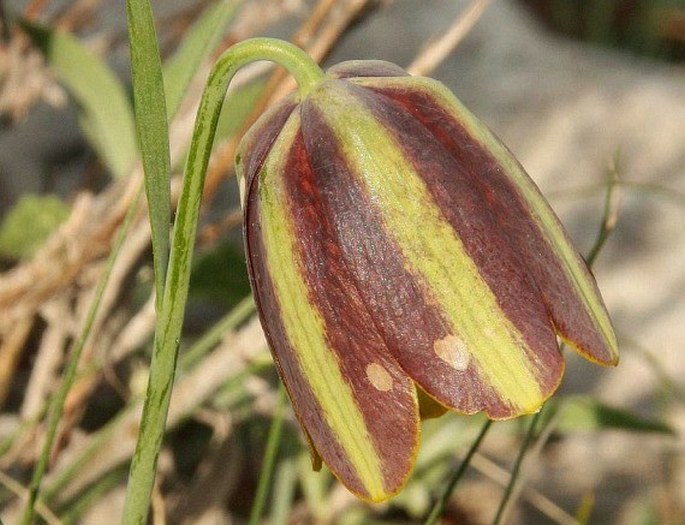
(10, 353)
(138, 330)
(192, 390)
(22, 493)
(438, 50)
(50, 356)
(85, 236)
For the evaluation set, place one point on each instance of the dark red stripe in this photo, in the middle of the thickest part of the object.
(511, 213)
(401, 310)
(391, 416)
(476, 212)
(305, 406)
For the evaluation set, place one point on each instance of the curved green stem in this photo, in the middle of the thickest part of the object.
(299, 64)
(170, 319)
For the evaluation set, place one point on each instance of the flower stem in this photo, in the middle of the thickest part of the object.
(299, 64)
(170, 317)
(441, 503)
(527, 440)
(273, 441)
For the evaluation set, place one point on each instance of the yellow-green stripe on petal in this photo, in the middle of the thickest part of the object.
(304, 327)
(562, 276)
(575, 269)
(432, 251)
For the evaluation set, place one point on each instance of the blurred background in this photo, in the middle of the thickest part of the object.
(581, 91)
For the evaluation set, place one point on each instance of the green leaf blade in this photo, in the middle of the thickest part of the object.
(153, 131)
(585, 414)
(104, 108)
(29, 223)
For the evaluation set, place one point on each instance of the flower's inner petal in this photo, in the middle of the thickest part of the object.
(448, 327)
(358, 406)
(569, 290)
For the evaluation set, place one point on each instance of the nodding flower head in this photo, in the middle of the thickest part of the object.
(404, 263)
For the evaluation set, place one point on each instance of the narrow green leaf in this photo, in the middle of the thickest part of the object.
(32, 219)
(197, 44)
(585, 414)
(153, 131)
(104, 109)
(269, 459)
(170, 318)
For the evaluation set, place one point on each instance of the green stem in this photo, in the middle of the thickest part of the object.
(269, 458)
(609, 216)
(168, 329)
(503, 504)
(440, 505)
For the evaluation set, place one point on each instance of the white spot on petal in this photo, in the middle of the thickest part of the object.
(452, 350)
(379, 377)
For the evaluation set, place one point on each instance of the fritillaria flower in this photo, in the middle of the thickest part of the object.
(402, 260)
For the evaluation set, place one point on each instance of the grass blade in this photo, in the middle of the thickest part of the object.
(269, 459)
(527, 440)
(104, 108)
(153, 130)
(440, 505)
(57, 402)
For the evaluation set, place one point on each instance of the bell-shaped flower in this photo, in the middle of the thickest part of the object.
(398, 252)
